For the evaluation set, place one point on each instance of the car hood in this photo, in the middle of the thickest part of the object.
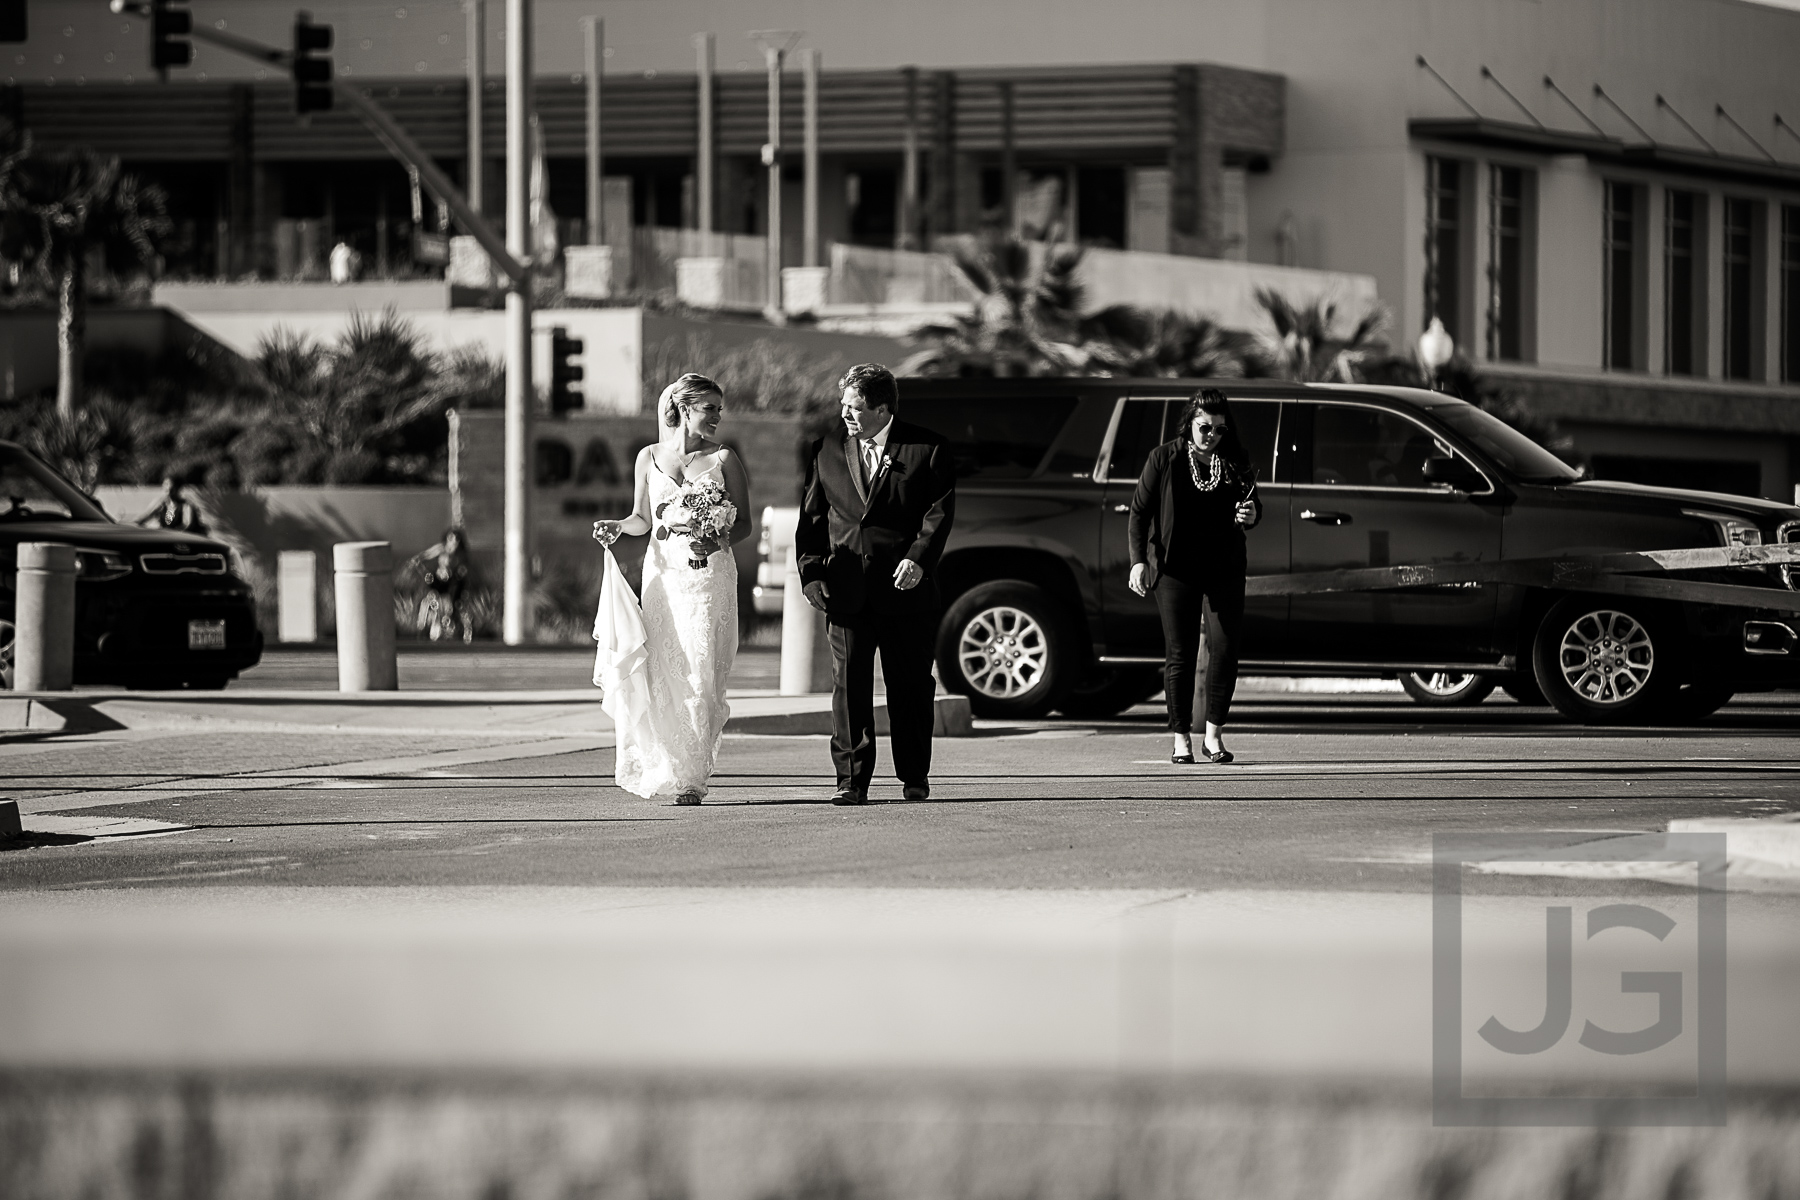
(1763, 512)
(102, 535)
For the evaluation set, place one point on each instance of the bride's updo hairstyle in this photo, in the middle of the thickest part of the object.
(679, 396)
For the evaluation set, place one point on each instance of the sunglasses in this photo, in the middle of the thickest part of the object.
(1212, 431)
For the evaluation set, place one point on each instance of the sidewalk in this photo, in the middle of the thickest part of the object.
(442, 689)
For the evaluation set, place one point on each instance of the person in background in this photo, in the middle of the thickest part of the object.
(446, 570)
(1194, 500)
(173, 510)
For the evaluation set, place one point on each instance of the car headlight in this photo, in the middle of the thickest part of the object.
(98, 566)
(1733, 531)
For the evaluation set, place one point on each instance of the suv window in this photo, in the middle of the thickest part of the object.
(1357, 446)
(993, 439)
(1147, 424)
(1257, 422)
(1143, 426)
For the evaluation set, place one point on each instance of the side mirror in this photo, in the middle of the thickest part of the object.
(1451, 471)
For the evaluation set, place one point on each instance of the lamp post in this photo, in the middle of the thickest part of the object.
(1436, 347)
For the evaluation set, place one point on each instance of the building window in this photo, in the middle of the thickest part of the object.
(1683, 306)
(1790, 293)
(1624, 276)
(1443, 243)
(1509, 264)
(1743, 311)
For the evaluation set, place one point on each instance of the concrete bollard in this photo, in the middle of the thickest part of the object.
(805, 648)
(44, 640)
(297, 596)
(365, 617)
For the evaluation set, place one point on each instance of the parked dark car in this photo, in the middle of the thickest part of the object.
(1038, 616)
(154, 608)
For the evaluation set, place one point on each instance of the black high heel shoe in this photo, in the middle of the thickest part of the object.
(1220, 756)
(1182, 760)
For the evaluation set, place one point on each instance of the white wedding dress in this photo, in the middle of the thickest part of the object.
(666, 694)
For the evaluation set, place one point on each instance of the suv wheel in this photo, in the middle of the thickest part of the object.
(1604, 662)
(1109, 691)
(1006, 647)
(1446, 687)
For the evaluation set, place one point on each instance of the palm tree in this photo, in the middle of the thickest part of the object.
(1026, 317)
(1125, 340)
(355, 411)
(56, 208)
(1307, 346)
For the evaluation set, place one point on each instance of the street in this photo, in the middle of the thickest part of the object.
(463, 925)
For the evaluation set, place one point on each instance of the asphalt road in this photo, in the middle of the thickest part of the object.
(351, 964)
(1328, 792)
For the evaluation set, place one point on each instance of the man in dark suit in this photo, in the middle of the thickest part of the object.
(873, 521)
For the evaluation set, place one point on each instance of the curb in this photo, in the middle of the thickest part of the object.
(1772, 841)
(562, 713)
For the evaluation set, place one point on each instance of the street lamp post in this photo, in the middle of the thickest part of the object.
(516, 574)
(1436, 347)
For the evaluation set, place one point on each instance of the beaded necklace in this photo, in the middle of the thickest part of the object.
(1213, 473)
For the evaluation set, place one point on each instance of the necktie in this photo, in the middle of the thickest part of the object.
(871, 460)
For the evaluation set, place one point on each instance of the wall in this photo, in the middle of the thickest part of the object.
(601, 451)
(258, 525)
(1226, 291)
(28, 342)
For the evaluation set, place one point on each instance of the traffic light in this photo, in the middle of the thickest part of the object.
(565, 376)
(169, 27)
(12, 21)
(312, 74)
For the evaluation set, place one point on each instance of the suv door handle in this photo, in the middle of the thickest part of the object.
(1325, 518)
(1121, 508)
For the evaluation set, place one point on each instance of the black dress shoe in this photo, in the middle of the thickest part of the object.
(1220, 756)
(916, 791)
(850, 796)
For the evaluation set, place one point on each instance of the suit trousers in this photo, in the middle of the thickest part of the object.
(906, 642)
(1178, 602)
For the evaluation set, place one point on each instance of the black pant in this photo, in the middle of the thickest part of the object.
(906, 643)
(1178, 601)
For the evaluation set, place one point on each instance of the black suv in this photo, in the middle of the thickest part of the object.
(1038, 615)
(153, 608)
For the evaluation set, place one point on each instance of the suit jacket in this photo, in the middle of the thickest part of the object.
(1152, 526)
(853, 541)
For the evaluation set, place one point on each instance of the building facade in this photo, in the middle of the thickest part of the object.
(1599, 198)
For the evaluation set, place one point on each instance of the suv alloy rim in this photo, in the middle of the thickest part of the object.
(1442, 683)
(1002, 652)
(1606, 657)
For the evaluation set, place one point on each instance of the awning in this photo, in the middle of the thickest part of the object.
(1510, 135)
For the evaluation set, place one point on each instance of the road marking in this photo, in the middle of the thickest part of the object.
(198, 785)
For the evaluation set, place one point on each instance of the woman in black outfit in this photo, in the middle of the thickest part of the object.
(1194, 500)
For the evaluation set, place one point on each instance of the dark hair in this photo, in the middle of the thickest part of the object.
(682, 393)
(1213, 403)
(875, 384)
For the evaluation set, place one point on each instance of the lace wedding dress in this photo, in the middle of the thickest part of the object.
(667, 698)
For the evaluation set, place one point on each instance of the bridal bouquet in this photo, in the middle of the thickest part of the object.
(703, 511)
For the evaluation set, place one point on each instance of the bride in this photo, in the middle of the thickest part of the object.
(668, 702)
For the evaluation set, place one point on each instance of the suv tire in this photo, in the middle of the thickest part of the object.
(1605, 661)
(1441, 688)
(1007, 647)
(1109, 691)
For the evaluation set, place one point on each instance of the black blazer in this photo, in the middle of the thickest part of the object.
(853, 542)
(1153, 504)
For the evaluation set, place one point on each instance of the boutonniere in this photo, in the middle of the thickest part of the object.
(887, 462)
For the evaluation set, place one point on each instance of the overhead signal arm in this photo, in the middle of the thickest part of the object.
(399, 143)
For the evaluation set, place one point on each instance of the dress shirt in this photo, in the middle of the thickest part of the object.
(871, 451)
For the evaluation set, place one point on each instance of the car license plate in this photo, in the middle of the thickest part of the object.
(206, 635)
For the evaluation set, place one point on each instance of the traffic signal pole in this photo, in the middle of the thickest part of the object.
(516, 580)
(512, 255)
